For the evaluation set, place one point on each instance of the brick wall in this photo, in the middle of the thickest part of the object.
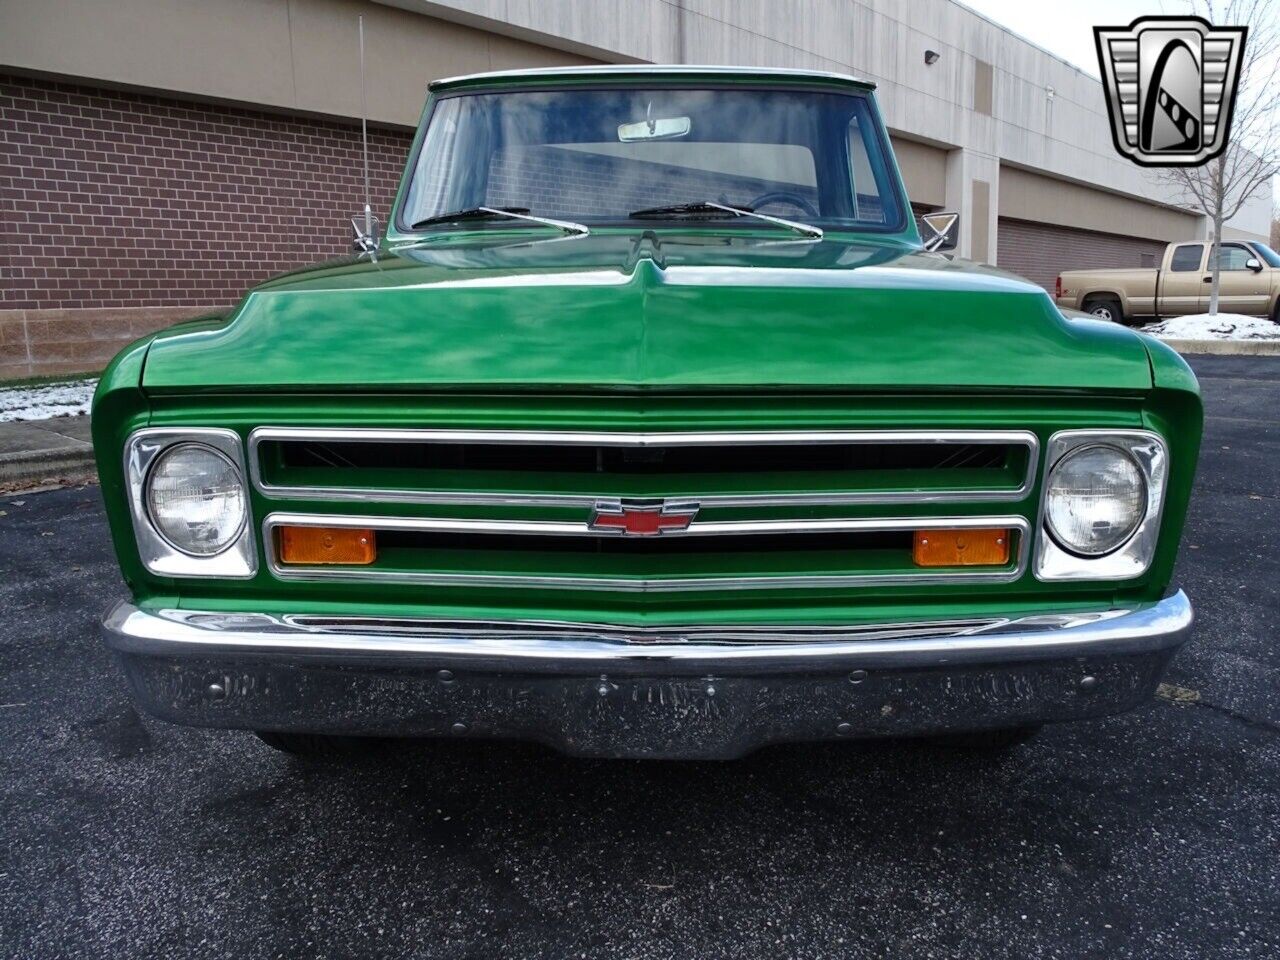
(1040, 251)
(121, 213)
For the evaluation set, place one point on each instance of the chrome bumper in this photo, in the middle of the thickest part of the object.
(606, 691)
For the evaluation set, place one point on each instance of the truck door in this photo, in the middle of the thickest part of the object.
(1240, 290)
(1181, 289)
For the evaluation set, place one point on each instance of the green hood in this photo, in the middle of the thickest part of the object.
(635, 310)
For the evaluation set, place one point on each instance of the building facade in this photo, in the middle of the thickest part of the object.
(158, 157)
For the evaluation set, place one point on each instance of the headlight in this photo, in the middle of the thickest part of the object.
(1095, 499)
(196, 499)
(189, 503)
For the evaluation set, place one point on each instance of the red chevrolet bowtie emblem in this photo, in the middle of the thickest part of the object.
(650, 518)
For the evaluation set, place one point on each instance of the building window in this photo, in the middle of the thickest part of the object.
(983, 86)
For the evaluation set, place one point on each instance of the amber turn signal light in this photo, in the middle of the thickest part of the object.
(314, 545)
(960, 548)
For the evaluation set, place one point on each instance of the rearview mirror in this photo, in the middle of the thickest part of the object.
(664, 128)
(1254, 264)
(942, 229)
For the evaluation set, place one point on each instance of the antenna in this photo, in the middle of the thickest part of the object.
(364, 136)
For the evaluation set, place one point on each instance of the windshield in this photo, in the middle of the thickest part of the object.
(606, 155)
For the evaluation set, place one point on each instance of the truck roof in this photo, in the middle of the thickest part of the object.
(648, 70)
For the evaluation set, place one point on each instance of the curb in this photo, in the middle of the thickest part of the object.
(1231, 348)
(46, 465)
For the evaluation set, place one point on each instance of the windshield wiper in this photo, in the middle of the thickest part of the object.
(489, 213)
(700, 206)
(706, 206)
(472, 213)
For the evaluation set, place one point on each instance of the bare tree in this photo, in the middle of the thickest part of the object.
(1221, 187)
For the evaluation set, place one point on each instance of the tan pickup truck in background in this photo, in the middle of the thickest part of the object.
(1249, 284)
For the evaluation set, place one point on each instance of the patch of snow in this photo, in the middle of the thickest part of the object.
(70, 399)
(1223, 326)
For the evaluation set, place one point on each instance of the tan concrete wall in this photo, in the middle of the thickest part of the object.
(296, 55)
(1231, 233)
(924, 171)
(1031, 196)
(1045, 115)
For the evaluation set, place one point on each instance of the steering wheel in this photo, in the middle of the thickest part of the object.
(782, 196)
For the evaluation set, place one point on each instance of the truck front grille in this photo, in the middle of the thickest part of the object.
(515, 508)
(545, 468)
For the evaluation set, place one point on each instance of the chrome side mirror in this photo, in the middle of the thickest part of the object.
(367, 237)
(942, 229)
(1254, 264)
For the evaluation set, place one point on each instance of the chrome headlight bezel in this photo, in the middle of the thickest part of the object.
(1133, 557)
(239, 560)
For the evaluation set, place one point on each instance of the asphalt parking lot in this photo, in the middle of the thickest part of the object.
(1154, 834)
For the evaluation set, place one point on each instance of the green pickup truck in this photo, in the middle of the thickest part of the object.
(648, 427)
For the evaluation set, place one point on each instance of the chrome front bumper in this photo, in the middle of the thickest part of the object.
(606, 691)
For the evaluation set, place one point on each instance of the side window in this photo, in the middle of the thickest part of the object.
(1185, 258)
(1232, 257)
(866, 192)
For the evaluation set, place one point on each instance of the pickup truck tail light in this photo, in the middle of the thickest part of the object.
(1057, 286)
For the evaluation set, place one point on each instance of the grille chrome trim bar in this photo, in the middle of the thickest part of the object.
(1024, 438)
(640, 585)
